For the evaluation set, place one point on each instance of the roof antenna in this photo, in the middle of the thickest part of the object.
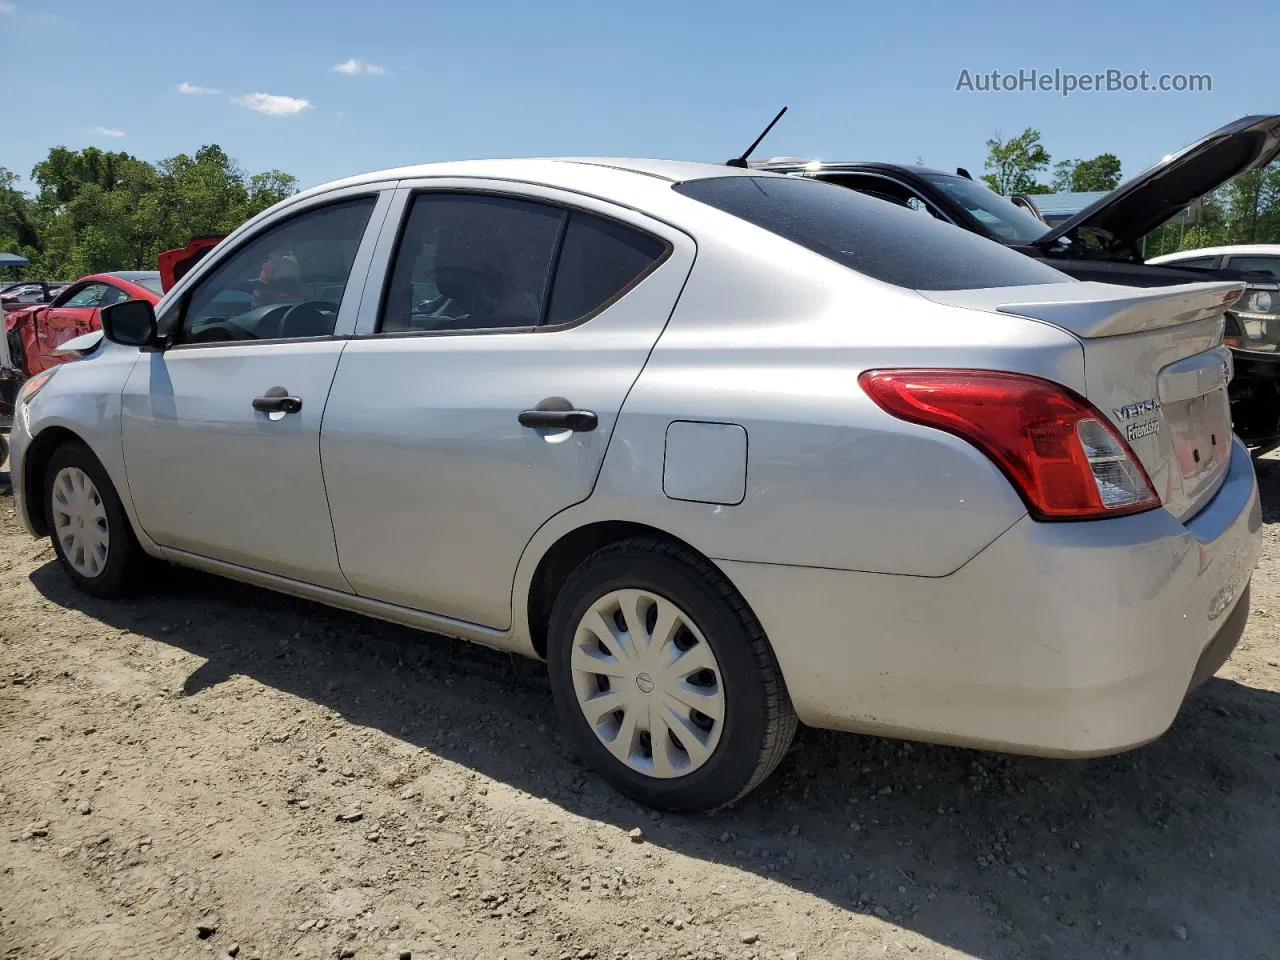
(962, 172)
(742, 160)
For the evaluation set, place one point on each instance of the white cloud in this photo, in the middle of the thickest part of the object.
(108, 132)
(185, 87)
(354, 67)
(272, 104)
(7, 7)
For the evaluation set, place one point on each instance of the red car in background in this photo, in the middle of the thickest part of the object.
(34, 333)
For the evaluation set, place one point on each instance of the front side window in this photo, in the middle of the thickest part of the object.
(286, 283)
(87, 296)
(877, 239)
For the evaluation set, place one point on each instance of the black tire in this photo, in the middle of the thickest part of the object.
(124, 555)
(759, 723)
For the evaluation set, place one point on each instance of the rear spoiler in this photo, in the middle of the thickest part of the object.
(176, 263)
(1091, 309)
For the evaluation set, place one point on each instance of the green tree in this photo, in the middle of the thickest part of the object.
(18, 228)
(98, 211)
(1015, 163)
(1100, 174)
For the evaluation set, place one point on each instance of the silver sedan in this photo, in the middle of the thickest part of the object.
(729, 450)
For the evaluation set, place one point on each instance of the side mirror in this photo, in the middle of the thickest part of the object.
(132, 323)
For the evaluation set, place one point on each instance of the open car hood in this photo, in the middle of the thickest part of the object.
(1142, 203)
(174, 264)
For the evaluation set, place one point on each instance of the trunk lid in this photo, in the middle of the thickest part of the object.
(1154, 364)
(1141, 204)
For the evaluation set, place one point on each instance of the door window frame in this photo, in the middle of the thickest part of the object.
(173, 307)
(397, 219)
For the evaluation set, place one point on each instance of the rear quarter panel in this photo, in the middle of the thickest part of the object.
(772, 338)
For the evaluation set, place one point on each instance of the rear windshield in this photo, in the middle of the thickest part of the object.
(151, 283)
(882, 240)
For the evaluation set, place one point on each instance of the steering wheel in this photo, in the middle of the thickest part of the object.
(310, 316)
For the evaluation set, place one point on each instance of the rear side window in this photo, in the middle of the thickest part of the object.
(881, 240)
(472, 262)
(600, 260)
(483, 262)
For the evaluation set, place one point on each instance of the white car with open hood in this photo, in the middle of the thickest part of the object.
(729, 449)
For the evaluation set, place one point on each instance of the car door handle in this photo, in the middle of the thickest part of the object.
(277, 404)
(580, 420)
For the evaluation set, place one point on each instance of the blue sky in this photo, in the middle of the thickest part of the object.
(475, 78)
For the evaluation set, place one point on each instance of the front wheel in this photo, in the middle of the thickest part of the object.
(664, 678)
(91, 533)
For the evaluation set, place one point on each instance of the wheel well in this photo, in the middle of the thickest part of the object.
(563, 558)
(34, 467)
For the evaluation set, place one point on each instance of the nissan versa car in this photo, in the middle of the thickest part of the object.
(730, 450)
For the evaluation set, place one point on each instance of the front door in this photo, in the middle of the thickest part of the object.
(482, 401)
(222, 429)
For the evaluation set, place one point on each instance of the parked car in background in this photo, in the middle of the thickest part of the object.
(34, 334)
(847, 465)
(1263, 258)
(27, 293)
(1253, 329)
(1103, 241)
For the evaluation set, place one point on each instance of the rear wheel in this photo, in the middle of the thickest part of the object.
(664, 678)
(91, 533)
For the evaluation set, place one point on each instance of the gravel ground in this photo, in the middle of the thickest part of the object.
(214, 770)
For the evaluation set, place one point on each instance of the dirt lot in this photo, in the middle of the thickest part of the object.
(213, 769)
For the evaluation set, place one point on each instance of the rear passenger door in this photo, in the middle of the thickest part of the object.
(478, 399)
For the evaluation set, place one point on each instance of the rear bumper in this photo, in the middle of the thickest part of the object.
(1066, 639)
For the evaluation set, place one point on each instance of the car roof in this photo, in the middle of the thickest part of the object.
(133, 276)
(797, 164)
(564, 172)
(1238, 250)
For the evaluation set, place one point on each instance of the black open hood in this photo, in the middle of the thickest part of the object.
(1139, 205)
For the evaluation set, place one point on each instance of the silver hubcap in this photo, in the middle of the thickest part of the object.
(648, 683)
(80, 521)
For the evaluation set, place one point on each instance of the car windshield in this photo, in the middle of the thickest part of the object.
(999, 215)
(880, 240)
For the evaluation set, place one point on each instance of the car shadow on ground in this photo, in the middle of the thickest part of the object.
(991, 855)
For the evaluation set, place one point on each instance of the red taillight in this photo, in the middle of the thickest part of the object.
(1061, 455)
